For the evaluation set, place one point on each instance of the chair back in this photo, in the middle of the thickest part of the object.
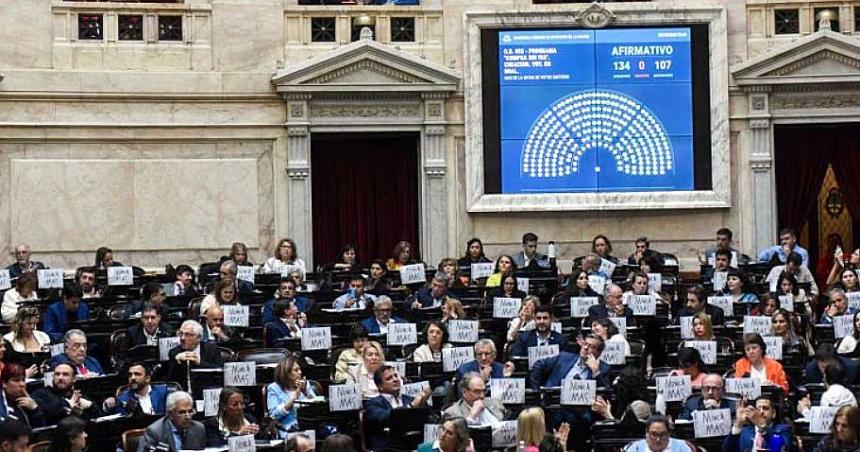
(263, 355)
(131, 439)
(118, 312)
(227, 355)
(41, 446)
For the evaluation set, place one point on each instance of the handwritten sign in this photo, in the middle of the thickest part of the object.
(463, 331)
(523, 285)
(165, 344)
(542, 352)
(411, 274)
(597, 283)
(853, 299)
(5, 280)
(748, 388)
(318, 338)
(235, 315)
(579, 306)
(821, 418)
(843, 325)
(613, 353)
(402, 334)
(242, 443)
(712, 423)
(48, 379)
(482, 269)
(719, 280)
(504, 434)
(58, 349)
(757, 324)
(642, 305)
(415, 389)
(50, 278)
(621, 324)
(344, 397)
(707, 349)
(120, 276)
(508, 390)
(578, 392)
(287, 270)
(454, 357)
(506, 308)
(774, 347)
(431, 432)
(210, 401)
(655, 282)
(725, 303)
(399, 366)
(786, 302)
(556, 326)
(675, 388)
(607, 268)
(686, 323)
(240, 374)
(245, 273)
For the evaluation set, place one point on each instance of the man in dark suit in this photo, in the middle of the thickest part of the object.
(192, 353)
(696, 302)
(377, 411)
(378, 324)
(529, 258)
(23, 264)
(244, 289)
(214, 329)
(485, 363)
(611, 307)
(433, 296)
(754, 429)
(541, 335)
(61, 399)
(287, 325)
(711, 398)
(177, 430)
(825, 354)
(75, 342)
(149, 330)
(551, 372)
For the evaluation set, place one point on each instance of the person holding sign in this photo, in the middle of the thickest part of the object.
(611, 307)
(75, 342)
(577, 285)
(288, 325)
(713, 387)
(474, 405)
(838, 306)
(378, 410)
(836, 395)
(68, 310)
(474, 255)
(690, 363)
(787, 285)
(192, 353)
(24, 290)
(433, 296)
(485, 363)
(25, 336)
(453, 437)
(149, 330)
(550, 372)
(658, 439)
(436, 337)
(847, 346)
(844, 432)
(231, 420)
(722, 263)
(372, 357)
(402, 255)
(285, 254)
(177, 430)
(287, 290)
(140, 395)
(696, 302)
(223, 293)
(784, 325)
(504, 266)
(755, 429)
(452, 309)
(351, 356)
(525, 319)
(283, 393)
(542, 335)
(607, 331)
(756, 365)
(378, 324)
(354, 298)
(23, 264)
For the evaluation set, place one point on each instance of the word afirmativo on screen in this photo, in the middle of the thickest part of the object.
(596, 110)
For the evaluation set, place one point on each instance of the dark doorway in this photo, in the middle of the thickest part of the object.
(365, 192)
(818, 188)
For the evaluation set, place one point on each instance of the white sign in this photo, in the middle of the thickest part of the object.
(399, 366)
(431, 431)
(607, 268)
(50, 278)
(235, 315)
(210, 401)
(621, 324)
(287, 270)
(725, 303)
(504, 434)
(245, 273)
(579, 306)
(415, 389)
(120, 276)
(748, 388)
(821, 418)
(58, 349)
(318, 338)
(613, 353)
(523, 285)
(506, 308)
(686, 323)
(853, 299)
(719, 280)
(243, 443)
(786, 302)
(240, 374)
(165, 344)
(462, 331)
(5, 280)
(642, 304)
(344, 397)
(774, 347)
(556, 326)
(707, 349)
(655, 282)
(482, 269)
(508, 390)
(411, 274)
(757, 324)
(402, 334)
(597, 283)
(48, 379)
(454, 357)
(578, 392)
(843, 325)
(674, 388)
(538, 353)
(711, 423)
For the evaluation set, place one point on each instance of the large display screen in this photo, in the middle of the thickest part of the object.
(604, 110)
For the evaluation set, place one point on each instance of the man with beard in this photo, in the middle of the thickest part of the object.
(23, 264)
(141, 396)
(541, 335)
(62, 399)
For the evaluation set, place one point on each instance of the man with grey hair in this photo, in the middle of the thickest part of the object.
(485, 363)
(192, 353)
(75, 354)
(433, 296)
(611, 307)
(229, 270)
(474, 405)
(177, 430)
(378, 324)
(23, 264)
(298, 442)
(838, 306)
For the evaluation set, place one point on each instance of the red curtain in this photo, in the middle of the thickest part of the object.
(846, 168)
(365, 192)
(800, 161)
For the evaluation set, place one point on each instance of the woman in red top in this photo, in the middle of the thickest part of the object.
(756, 365)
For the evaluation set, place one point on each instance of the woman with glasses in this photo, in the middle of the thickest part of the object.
(25, 337)
(756, 365)
(231, 420)
(288, 388)
(525, 320)
(657, 438)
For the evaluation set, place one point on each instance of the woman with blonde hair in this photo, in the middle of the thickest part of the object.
(372, 358)
(402, 255)
(25, 336)
(531, 430)
(702, 328)
(452, 309)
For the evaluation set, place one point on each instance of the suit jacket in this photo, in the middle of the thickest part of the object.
(744, 442)
(10, 410)
(302, 304)
(90, 363)
(160, 432)
(135, 335)
(135, 306)
(157, 396)
(377, 412)
(698, 403)
(231, 332)
(425, 297)
(55, 318)
(599, 311)
(550, 372)
(373, 328)
(717, 314)
(529, 338)
(210, 357)
(16, 271)
(498, 370)
(276, 332)
(811, 374)
(55, 407)
(460, 409)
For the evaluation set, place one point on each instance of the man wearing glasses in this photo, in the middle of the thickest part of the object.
(378, 324)
(485, 363)
(711, 398)
(177, 430)
(192, 352)
(657, 438)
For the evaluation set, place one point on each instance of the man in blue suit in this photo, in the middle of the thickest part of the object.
(825, 354)
(485, 363)
(377, 411)
(433, 296)
(541, 335)
(75, 342)
(378, 324)
(754, 429)
(69, 309)
(141, 397)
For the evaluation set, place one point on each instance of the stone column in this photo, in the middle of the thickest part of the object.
(434, 211)
(764, 212)
(300, 221)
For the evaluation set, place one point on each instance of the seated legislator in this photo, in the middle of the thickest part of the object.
(86, 280)
(436, 338)
(577, 285)
(61, 399)
(287, 290)
(183, 286)
(214, 330)
(844, 432)
(474, 405)
(154, 294)
(379, 280)
(485, 363)
(825, 354)
(784, 325)
(433, 296)
(602, 247)
(231, 420)
(657, 438)
(346, 260)
(25, 336)
(192, 352)
(23, 263)
(551, 372)
(504, 266)
(612, 307)
(16, 403)
(453, 437)
(141, 396)
(288, 325)
(402, 255)
(285, 254)
(541, 335)
(24, 290)
(525, 319)
(756, 365)
(474, 254)
(75, 354)
(697, 302)
(355, 297)
(838, 306)
(378, 324)
(149, 330)
(756, 428)
(224, 293)
(70, 309)
(723, 243)
(239, 255)
(787, 245)
(372, 357)
(507, 289)
(793, 267)
(283, 393)
(378, 410)
(713, 387)
(529, 256)
(739, 288)
(14, 436)
(607, 331)
(644, 251)
(177, 430)
(243, 290)
(351, 356)
(104, 259)
(835, 396)
(690, 363)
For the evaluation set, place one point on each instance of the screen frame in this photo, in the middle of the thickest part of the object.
(626, 15)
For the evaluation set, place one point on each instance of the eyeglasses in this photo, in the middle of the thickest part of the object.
(188, 413)
(712, 388)
(661, 435)
(382, 310)
(484, 354)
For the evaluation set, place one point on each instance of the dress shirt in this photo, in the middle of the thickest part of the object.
(143, 400)
(393, 400)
